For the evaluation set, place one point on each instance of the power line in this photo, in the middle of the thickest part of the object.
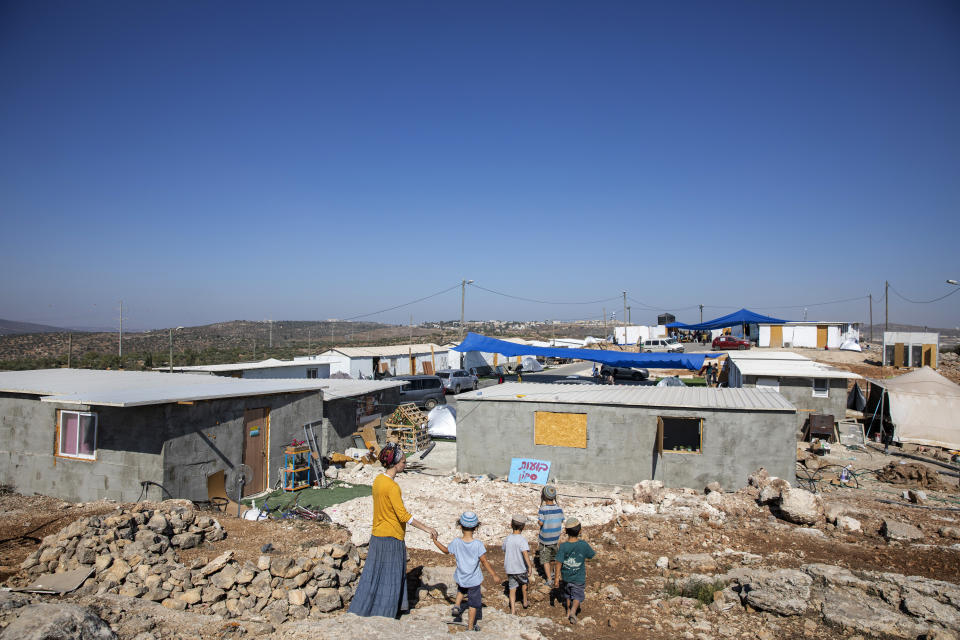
(400, 306)
(507, 295)
(924, 301)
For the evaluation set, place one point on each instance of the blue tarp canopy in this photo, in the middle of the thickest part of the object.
(744, 316)
(676, 325)
(692, 361)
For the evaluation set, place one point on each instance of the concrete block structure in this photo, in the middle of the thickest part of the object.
(395, 360)
(620, 435)
(812, 387)
(85, 435)
(810, 335)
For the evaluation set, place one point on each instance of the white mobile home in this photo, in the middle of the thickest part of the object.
(812, 335)
(910, 349)
(395, 360)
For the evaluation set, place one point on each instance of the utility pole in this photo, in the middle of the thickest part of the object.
(120, 343)
(871, 317)
(463, 295)
(270, 322)
(701, 314)
(604, 323)
(629, 320)
(69, 350)
(171, 350)
(886, 306)
(624, 317)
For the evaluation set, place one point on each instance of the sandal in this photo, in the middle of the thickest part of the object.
(572, 619)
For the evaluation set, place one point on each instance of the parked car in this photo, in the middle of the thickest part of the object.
(457, 380)
(663, 345)
(730, 342)
(425, 391)
(624, 372)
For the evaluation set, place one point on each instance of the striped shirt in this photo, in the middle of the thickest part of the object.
(551, 517)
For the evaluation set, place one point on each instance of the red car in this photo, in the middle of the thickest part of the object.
(730, 342)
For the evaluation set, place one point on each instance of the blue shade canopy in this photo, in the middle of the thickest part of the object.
(692, 361)
(732, 320)
(676, 325)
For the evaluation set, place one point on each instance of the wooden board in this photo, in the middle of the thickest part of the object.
(560, 429)
(255, 449)
(821, 336)
(776, 335)
(929, 358)
(898, 354)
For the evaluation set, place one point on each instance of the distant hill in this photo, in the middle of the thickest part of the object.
(12, 327)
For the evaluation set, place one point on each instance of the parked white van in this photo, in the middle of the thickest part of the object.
(666, 345)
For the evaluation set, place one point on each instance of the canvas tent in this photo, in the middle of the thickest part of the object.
(922, 407)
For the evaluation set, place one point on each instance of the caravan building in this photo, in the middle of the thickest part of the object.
(394, 360)
(910, 349)
(307, 367)
(812, 335)
(619, 435)
(813, 387)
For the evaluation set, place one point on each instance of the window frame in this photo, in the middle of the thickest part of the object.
(661, 429)
(821, 394)
(313, 373)
(60, 433)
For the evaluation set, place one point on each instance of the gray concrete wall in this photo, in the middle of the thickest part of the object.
(174, 445)
(340, 417)
(799, 391)
(621, 444)
(28, 461)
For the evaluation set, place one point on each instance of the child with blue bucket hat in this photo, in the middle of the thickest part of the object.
(470, 554)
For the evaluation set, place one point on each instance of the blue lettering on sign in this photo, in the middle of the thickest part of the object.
(254, 432)
(529, 470)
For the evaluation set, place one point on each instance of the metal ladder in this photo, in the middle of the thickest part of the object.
(316, 463)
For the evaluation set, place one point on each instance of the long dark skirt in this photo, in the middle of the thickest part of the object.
(382, 590)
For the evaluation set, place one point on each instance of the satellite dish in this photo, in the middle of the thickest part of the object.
(237, 477)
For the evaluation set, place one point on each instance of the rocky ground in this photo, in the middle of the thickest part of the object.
(767, 561)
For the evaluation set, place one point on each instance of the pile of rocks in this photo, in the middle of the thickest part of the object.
(132, 552)
(884, 604)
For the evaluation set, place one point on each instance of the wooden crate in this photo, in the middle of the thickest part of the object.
(408, 427)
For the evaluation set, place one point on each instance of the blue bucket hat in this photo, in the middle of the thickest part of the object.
(469, 519)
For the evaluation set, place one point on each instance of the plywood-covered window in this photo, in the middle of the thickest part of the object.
(560, 429)
(679, 435)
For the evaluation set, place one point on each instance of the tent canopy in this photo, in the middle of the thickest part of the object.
(924, 408)
(676, 325)
(692, 361)
(744, 316)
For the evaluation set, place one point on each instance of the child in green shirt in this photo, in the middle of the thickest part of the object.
(571, 560)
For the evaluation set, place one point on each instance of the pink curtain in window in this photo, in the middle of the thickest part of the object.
(70, 425)
(88, 435)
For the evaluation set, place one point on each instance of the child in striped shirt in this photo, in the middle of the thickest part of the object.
(550, 518)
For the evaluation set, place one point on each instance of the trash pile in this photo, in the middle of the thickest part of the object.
(133, 553)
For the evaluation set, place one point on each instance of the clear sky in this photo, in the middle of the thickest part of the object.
(210, 161)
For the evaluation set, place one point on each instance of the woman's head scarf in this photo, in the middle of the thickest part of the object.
(391, 454)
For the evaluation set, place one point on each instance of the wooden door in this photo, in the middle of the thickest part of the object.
(929, 357)
(898, 354)
(821, 336)
(776, 335)
(256, 441)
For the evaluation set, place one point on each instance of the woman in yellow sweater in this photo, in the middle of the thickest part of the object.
(382, 590)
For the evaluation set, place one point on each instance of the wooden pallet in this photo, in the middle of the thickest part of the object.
(406, 415)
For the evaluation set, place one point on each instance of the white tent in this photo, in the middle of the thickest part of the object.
(531, 364)
(924, 408)
(442, 422)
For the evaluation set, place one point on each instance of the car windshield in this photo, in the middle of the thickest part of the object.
(671, 341)
(443, 374)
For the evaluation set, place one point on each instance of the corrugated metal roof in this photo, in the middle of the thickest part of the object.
(389, 351)
(272, 363)
(139, 388)
(790, 368)
(634, 396)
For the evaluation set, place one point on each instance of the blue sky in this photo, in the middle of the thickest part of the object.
(209, 161)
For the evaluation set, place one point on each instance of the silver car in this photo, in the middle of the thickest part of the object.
(457, 380)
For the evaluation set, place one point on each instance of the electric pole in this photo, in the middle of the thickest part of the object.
(886, 306)
(120, 342)
(171, 350)
(69, 350)
(629, 320)
(270, 324)
(604, 323)
(624, 317)
(463, 295)
(871, 317)
(701, 314)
